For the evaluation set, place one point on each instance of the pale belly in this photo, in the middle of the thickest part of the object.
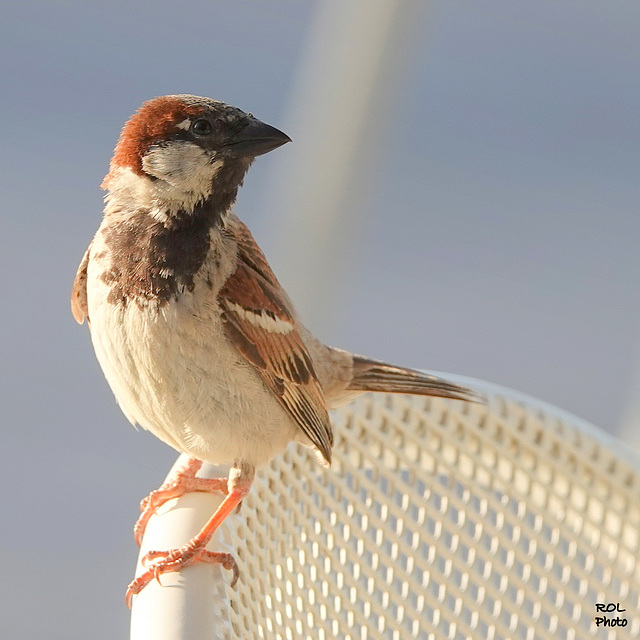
(174, 373)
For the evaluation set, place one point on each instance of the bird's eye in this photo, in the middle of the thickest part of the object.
(201, 127)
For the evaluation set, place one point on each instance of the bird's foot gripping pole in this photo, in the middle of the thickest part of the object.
(182, 481)
(239, 484)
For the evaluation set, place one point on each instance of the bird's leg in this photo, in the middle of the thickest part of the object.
(182, 481)
(240, 480)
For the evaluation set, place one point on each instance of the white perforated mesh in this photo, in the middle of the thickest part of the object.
(441, 519)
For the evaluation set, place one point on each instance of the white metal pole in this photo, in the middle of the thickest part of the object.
(190, 604)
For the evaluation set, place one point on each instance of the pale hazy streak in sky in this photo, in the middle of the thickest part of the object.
(342, 73)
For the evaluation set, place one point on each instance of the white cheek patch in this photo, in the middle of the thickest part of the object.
(262, 320)
(176, 163)
(186, 173)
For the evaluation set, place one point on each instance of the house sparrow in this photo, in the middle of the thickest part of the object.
(197, 339)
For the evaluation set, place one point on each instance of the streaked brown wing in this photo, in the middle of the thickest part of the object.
(259, 324)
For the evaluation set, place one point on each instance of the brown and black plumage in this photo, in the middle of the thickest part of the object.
(196, 337)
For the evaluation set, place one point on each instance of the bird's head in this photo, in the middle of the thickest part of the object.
(177, 151)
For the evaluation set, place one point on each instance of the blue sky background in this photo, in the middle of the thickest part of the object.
(498, 237)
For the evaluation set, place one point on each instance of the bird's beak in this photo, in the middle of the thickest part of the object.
(257, 138)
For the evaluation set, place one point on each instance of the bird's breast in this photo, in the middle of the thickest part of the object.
(174, 372)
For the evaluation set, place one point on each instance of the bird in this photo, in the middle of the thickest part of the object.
(197, 339)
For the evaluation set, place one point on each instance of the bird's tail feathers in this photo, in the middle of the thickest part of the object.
(371, 375)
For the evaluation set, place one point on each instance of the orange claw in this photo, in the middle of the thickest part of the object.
(175, 560)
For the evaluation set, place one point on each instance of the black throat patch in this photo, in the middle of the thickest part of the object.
(151, 260)
(154, 260)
